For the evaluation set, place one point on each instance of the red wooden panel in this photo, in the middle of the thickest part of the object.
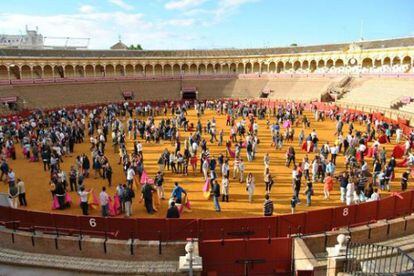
(220, 258)
(403, 205)
(344, 215)
(22, 216)
(66, 222)
(318, 221)
(367, 211)
(126, 227)
(4, 214)
(231, 228)
(277, 255)
(386, 208)
(152, 229)
(291, 224)
(92, 224)
(41, 219)
(181, 229)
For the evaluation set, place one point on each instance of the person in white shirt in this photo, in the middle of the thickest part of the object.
(130, 175)
(22, 192)
(84, 200)
(398, 133)
(241, 170)
(104, 201)
(225, 188)
(375, 195)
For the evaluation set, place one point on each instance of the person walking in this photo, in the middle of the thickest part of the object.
(268, 206)
(250, 186)
(173, 211)
(22, 192)
(225, 188)
(146, 195)
(104, 201)
(215, 190)
(129, 194)
(84, 200)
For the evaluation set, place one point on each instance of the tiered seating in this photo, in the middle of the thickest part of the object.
(408, 108)
(378, 92)
(299, 89)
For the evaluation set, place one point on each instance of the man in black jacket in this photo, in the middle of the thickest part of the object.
(173, 211)
(215, 190)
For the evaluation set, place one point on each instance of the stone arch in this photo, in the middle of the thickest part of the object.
(296, 65)
(4, 72)
(272, 67)
(225, 69)
(60, 73)
(256, 68)
(129, 70)
(158, 69)
(15, 72)
(210, 68)
(185, 69)
(26, 72)
(233, 68)
(305, 65)
(329, 63)
(265, 68)
(407, 60)
(288, 65)
(386, 61)
(377, 63)
(312, 66)
(109, 70)
(167, 70)
(280, 67)
(119, 70)
(396, 61)
(217, 68)
(48, 71)
(176, 70)
(321, 63)
(367, 63)
(148, 70)
(99, 70)
(89, 71)
(193, 69)
(339, 63)
(248, 68)
(202, 69)
(69, 71)
(139, 69)
(37, 72)
(240, 68)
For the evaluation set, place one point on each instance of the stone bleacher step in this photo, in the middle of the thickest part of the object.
(87, 265)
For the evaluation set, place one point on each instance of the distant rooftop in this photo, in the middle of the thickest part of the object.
(374, 44)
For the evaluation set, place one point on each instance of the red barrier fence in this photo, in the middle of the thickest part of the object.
(215, 229)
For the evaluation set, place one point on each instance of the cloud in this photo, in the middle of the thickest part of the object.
(121, 4)
(103, 29)
(86, 9)
(183, 4)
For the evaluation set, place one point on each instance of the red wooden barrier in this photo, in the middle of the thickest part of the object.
(22, 216)
(343, 216)
(93, 224)
(4, 214)
(318, 221)
(66, 222)
(232, 228)
(42, 220)
(386, 208)
(403, 205)
(152, 229)
(367, 211)
(291, 224)
(181, 229)
(126, 227)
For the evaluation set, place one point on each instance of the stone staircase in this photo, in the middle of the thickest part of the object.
(55, 264)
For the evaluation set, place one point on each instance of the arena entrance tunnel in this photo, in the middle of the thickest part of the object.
(189, 93)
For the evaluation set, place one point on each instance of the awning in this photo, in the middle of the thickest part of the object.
(189, 89)
(11, 99)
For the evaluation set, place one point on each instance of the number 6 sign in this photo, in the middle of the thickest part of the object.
(92, 222)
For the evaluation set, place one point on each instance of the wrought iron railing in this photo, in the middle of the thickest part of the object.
(376, 259)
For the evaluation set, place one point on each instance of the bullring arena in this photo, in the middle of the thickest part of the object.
(364, 83)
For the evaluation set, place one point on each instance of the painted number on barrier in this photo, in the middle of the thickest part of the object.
(345, 212)
(92, 222)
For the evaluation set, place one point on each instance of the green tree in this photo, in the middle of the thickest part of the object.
(133, 47)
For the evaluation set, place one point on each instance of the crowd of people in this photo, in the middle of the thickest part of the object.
(49, 137)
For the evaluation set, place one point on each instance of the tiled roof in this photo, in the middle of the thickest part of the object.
(389, 43)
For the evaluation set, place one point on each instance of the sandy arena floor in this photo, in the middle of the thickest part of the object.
(39, 198)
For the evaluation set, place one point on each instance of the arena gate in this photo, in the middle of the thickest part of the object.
(189, 93)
